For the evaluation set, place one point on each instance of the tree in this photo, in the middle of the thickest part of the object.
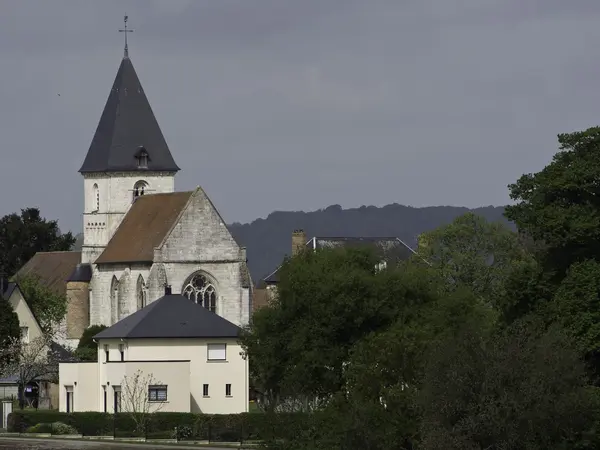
(31, 362)
(9, 329)
(136, 399)
(22, 236)
(87, 349)
(326, 301)
(560, 205)
(476, 253)
(576, 307)
(48, 307)
(521, 387)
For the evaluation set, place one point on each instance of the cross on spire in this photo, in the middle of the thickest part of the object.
(125, 30)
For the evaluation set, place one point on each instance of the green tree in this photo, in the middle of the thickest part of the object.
(48, 307)
(9, 329)
(326, 301)
(473, 252)
(560, 205)
(87, 350)
(576, 306)
(523, 388)
(22, 236)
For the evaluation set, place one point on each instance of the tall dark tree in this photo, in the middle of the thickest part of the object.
(560, 205)
(522, 388)
(9, 329)
(22, 236)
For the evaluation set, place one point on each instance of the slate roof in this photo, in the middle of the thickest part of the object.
(127, 125)
(389, 248)
(52, 268)
(171, 316)
(144, 227)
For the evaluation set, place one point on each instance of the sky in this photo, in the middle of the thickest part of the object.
(300, 104)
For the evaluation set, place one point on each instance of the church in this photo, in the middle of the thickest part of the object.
(141, 237)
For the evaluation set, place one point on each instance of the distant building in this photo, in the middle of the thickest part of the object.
(389, 249)
(192, 354)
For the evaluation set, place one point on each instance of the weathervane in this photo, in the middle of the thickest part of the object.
(126, 30)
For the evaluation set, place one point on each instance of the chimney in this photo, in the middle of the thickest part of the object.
(298, 241)
(167, 289)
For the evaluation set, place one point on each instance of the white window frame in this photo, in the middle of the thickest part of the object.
(216, 352)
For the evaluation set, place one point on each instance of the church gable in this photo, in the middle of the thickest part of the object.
(200, 234)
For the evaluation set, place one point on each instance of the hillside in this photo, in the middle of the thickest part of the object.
(269, 240)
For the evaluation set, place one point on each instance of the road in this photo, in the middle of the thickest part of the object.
(63, 444)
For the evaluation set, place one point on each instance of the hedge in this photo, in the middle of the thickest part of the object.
(162, 425)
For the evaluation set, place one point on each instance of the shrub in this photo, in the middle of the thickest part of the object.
(214, 427)
(52, 428)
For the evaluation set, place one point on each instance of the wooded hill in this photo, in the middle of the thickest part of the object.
(269, 240)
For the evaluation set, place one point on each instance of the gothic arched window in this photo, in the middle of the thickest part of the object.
(141, 293)
(96, 198)
(139, 188)
(201, 290)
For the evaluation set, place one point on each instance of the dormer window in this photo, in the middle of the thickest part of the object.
(142, 158)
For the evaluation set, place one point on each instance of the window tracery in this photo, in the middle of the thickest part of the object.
(201, 290)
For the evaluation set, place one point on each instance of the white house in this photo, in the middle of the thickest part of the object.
(192, 354)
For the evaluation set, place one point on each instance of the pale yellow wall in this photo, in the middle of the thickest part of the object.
(84, 379)
(88, 381)
(234, 371)
(26, 318)
(216, 374)
(180, 364)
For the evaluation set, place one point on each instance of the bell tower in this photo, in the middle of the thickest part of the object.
(128, 157)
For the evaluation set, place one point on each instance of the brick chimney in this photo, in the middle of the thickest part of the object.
(298, 241)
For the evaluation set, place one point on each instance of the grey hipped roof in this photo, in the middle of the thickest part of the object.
(127, 124)
(171, 316)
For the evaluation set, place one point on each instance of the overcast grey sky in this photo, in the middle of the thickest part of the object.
(299, 104)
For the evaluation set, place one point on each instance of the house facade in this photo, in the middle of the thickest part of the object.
(183, 357)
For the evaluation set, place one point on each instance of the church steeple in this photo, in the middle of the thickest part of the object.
(128, 137)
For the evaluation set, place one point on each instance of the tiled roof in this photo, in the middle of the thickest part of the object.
(144, 227)
(390, 248)
(127, 126)
(52, 268)
(171, 316)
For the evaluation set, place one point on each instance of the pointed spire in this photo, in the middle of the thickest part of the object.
(127, 126)
(125, 30)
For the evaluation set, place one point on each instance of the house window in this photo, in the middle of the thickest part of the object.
(25, 335)
(105, 398)
(70, 399)
(228, 390)
(122, 351)
(117, 399)
(199, 289)
(106, 353)
(157, 393)
(205, 390)
(217, 352)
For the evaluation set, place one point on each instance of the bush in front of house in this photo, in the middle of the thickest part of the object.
(162, 425)
(53, 428)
